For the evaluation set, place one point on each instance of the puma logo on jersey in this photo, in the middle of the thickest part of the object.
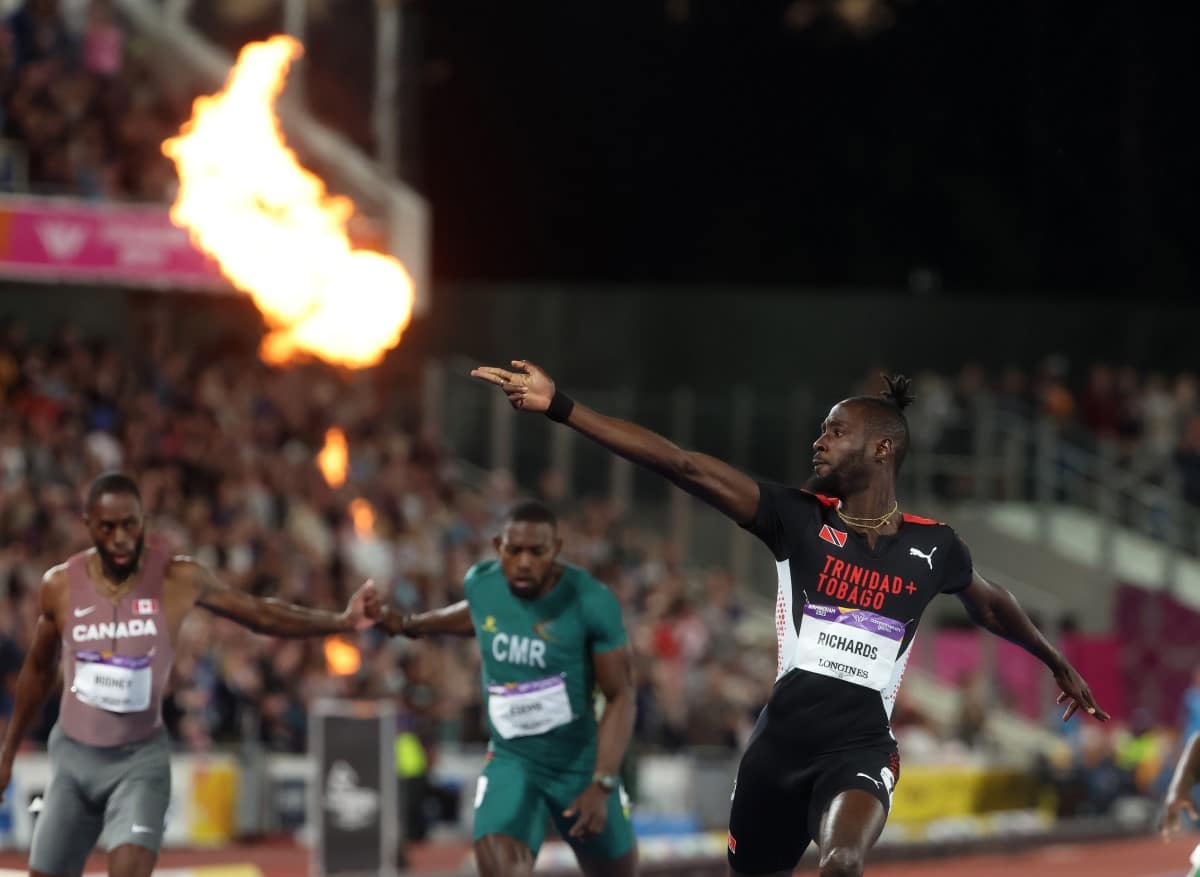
(869, 777)
(83, 633)
(524, 650)
(928, 558)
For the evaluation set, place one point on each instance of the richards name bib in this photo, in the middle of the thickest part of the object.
(850, 644)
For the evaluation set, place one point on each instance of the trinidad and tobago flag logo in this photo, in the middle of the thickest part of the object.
(832, 536)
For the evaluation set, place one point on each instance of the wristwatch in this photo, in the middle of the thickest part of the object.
(390, 617)
(606, 781)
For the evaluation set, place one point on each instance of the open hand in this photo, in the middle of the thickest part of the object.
(592, 809)
(1176, 805)
(1076, 694)
(528, 387)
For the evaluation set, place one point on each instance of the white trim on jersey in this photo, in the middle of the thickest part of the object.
(785, 623)
(893, 687)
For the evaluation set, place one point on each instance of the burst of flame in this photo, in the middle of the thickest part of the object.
(333, 458)
(342, 658)
(363, 516)
(272, 228)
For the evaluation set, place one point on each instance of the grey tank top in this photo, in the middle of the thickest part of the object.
(116, 658)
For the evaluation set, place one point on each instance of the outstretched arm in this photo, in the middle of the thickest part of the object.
(454, 619)
(276, 617)
(996, 610)
(39, 673)
(1179, 793)
(726, 489)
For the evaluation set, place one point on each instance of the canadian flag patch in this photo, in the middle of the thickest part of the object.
(145, 606)
(832, 536)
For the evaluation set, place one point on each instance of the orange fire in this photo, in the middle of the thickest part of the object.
(342, 658)
(363, 516)
(274, 230)
(333, 458)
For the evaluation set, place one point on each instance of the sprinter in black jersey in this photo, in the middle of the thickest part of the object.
(855, 574)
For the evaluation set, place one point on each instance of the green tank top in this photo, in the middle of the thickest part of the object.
(536, 667)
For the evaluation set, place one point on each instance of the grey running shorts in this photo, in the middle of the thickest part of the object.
(122, 791)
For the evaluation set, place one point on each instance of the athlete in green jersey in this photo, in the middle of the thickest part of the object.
(548, 634)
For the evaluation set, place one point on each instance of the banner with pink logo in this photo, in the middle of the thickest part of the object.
(51, 239)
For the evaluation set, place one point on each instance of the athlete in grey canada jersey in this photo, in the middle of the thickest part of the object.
(113, 613)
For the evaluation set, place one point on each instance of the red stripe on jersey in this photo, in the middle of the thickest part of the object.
(917, 519)
(831, 501)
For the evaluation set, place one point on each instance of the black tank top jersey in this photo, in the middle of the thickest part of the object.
(824, 563)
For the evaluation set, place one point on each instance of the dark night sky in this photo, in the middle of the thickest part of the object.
(1017, 146)
(1020, 145)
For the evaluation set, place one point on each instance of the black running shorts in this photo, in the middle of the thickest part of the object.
(779, 797)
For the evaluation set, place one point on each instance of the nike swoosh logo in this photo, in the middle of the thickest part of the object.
(79, 613)
(142, 829)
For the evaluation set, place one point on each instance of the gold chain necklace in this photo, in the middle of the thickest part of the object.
(868, 523)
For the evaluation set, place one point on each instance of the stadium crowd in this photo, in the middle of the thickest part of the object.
(80, 112)
(225, 451)
(1151, 419)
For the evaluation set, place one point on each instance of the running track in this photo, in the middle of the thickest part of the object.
(1142, 857)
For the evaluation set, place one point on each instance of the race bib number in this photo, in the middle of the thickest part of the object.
(522, 709)
(853, 645)
(115, 683)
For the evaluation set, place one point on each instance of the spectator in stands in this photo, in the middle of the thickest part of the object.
(1160, 419)
(103, 41)
(1054, 398)
(1012, 395)
(1130, 414)
(1096, 769)
(38, 32)
(1187, 458)
(1140, 754)
(971, 725)
(1099, 407)
(713, 715)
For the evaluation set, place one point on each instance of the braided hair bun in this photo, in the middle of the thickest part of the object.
(899, 390)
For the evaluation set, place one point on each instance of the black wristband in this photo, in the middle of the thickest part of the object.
(561, 407)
